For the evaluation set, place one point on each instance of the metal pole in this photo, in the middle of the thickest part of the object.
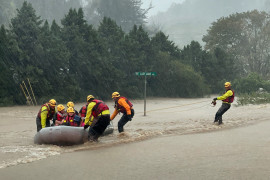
(32, 91)
(144, 95)
(28, 93)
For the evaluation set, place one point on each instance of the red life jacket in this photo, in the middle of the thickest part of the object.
(60, 116)
(99, 107)
(70, 120)
(51, 111)
(121, 108)
(83, 110)
(229, 99)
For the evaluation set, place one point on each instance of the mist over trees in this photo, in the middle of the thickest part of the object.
(70, 58)
(49, 9)
(246, 36)
(190, 20)
(125, 13)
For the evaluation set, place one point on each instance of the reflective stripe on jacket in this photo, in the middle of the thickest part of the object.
(227, 97)
(92, 111)
(45, 113)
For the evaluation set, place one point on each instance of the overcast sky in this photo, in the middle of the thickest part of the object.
(159, 5)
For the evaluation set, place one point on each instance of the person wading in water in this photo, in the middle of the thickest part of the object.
(227, 98)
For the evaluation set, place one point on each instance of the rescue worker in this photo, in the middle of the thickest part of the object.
(71, 104)
(83, 110)
(97, 117)
(124, 106)
(60, 115)
(45, 114)
(227, 98)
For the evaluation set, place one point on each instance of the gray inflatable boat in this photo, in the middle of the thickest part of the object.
(65, 135)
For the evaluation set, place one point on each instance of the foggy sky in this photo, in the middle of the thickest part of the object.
(159, 5)
(189, 19)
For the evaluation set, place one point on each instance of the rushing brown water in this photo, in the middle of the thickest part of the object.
(164, 117)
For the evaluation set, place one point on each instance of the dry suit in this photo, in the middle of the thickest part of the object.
(98, 118)
(44, 116)
(227, 98)
(124, 106)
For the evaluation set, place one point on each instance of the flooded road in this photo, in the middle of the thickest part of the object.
(171, 132)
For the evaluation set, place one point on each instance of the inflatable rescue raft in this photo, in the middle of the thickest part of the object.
(65, 135)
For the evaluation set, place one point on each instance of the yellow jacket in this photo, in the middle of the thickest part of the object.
(89, 117)
(43, 115)
(225, 96)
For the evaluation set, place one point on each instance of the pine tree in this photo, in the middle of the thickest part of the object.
(126, 13)
(161, 42)
(8, 87)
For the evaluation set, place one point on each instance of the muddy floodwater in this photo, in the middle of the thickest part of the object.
(175, 140)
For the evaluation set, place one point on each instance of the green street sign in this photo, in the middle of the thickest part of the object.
(146, 73)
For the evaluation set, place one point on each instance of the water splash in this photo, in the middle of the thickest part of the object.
(27, 154)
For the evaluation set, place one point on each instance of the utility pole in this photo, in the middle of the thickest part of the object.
(144, 96)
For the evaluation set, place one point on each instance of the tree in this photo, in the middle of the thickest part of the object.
(54, 9)
(25, 29)
(113, 41)
(251, 84)
(161, 42)
(175, 79)
(126, 13)
(55, 56)
(215, 66)
(194, 56)
(246, 36)
(140, 44)
(9, 90)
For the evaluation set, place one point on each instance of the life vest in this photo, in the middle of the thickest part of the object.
(70, 120)
(51, 111)
(99, 107)
(83, 111)
(121, 108)
(229, 99)
(60, 116)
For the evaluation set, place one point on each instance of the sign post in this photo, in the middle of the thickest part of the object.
(145, 74)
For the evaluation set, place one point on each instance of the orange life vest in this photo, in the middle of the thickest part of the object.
(121, 108)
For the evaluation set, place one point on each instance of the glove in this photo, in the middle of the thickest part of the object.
(129, 117)
(214, 99)
(85, 126)
(214, 102)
